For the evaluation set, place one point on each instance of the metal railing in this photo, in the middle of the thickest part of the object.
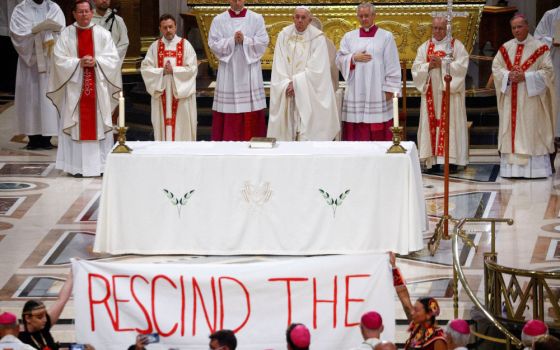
(459, 276)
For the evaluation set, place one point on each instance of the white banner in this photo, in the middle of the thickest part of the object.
(184, 303)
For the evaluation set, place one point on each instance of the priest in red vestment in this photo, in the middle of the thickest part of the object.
(83, 85)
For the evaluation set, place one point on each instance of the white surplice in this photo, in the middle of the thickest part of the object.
(116, 26)
(239, 85)
(545, 33)
(366, 84)
(181, 84)
(422, 76)
(36, 115)
(536, 112)
(65, 87)
(302, 58)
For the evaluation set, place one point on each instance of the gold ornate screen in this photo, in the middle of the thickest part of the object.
(410, 24)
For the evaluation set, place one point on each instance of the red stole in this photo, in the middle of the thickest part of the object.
(514, 86)
(178, 54)
(433, 122)
(88, 102)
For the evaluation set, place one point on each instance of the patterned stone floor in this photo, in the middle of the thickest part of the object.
(47, 217)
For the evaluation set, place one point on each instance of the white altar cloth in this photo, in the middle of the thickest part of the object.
(298, 198)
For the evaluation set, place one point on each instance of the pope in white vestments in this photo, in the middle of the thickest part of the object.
(428, 72)
(524, 76)
(83, 87)
(169, 72)
(238, 39)
(36, 115)
(302, 100)
(369, 62)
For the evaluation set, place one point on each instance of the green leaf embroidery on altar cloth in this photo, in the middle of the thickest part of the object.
(334, 202)
(178, 202)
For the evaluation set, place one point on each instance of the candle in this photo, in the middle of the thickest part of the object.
(121, 110)
(395, 110)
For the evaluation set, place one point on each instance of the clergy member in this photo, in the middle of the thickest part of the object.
(428, 72)
(169, 71)
(302, 101)
(83, 87)
(36, 115)
(369, 62)
(107, 18)
(548, 31)
(523, 76)
(238, 39)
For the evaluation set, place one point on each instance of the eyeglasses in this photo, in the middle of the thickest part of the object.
(83, 12)
(218, 348)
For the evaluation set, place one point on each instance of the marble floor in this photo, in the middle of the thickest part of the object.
(46, 217)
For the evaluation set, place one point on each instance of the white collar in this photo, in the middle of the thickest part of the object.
(91, 24)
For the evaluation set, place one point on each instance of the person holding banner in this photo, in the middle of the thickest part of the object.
(169, 72)
(37, 321)
(424, 332)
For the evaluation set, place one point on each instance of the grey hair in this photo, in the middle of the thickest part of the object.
(365, 5)
(458, 338)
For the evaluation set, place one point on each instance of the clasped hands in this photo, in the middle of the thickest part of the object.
(290, 90)
(435, 62)
(87, 61)
(168, 68)
(516, 75)
(238, 37)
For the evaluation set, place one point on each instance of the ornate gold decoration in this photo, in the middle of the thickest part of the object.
(121, 147)
(396, 147)
(331, 2)
(410, 24)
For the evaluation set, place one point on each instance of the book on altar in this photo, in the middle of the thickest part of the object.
(262, 142)
(556, 37)
(47, 24)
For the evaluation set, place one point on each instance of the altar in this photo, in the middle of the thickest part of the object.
(298, 198)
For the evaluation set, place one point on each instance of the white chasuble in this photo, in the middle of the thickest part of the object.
(36, 115)
(84, 97)
(302, 59)
(239, 85)
(173, 95)
(367, 82)
(545, 33)
(527, 109)
(431, 84)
